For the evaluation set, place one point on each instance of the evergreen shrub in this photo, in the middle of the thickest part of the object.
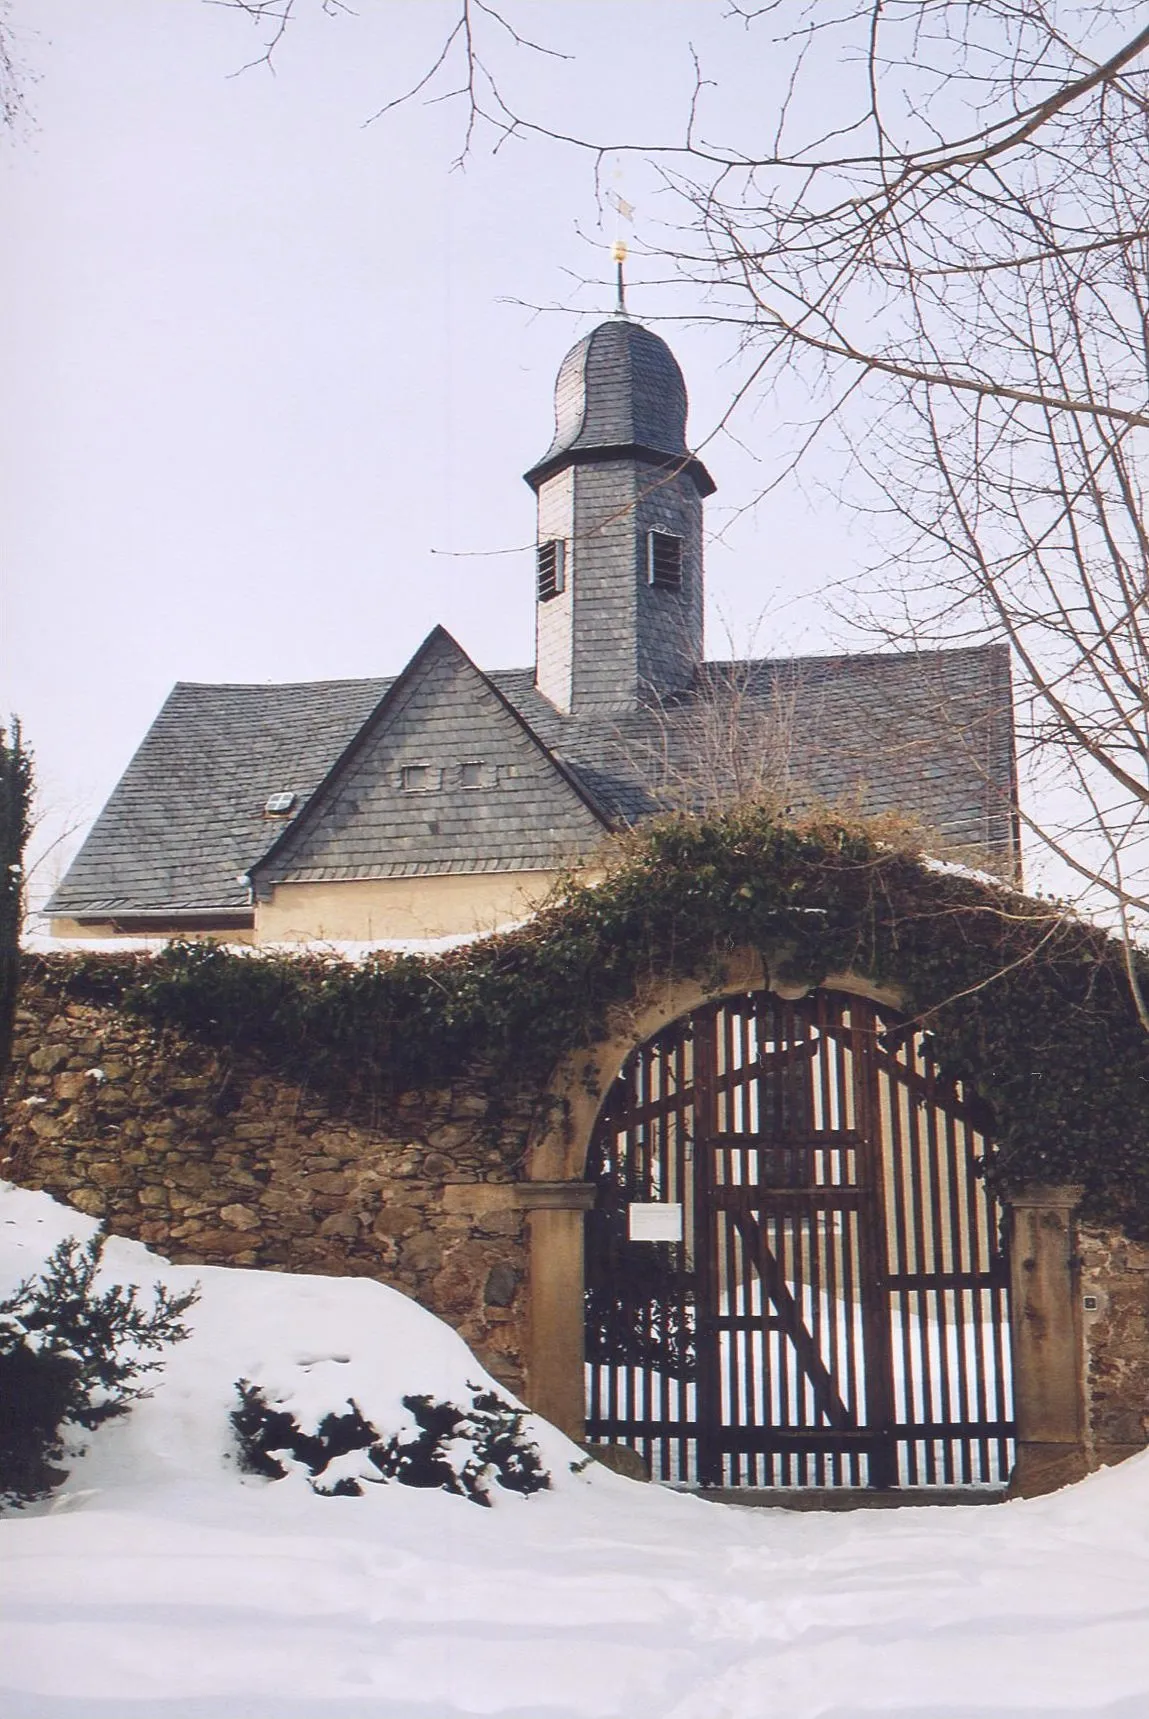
(464, 1451)
(70, 1358)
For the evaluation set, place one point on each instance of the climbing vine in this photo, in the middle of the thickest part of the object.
(1025, 1001)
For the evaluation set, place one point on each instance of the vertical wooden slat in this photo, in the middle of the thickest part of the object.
(660, 1381)
(730, 1277)
(959, 1261)
(633, 1171)
(653, 1394)
(774, 1342)
(673, 1390)
(836, 1301)
(825, 1071)
(936, 1202)
(709, 1382)
(924, 1393)
(976, 1253)
(937, 1221)
(901, 1266)
(851, 1369)
(811, 1221)
(687, 1390)
(1003, 1392)
(797, 1174)
(872, 1245)
(830, 1174)
(753, 1336)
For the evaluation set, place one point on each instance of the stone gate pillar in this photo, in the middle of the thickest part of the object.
(1048, 1371)
(557, 1341)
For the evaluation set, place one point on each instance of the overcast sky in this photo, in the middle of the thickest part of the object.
(272, 375)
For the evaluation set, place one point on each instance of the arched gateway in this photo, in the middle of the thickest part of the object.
(793, 1272)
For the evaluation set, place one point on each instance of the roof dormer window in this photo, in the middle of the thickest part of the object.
(664, 560)
(552, 569)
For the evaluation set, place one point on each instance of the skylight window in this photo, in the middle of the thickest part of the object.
(664, 560)
(552, 568)
(279, 805)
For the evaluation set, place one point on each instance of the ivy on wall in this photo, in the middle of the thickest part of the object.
(1026, 1002)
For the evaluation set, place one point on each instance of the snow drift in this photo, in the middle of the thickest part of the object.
(161, 1582)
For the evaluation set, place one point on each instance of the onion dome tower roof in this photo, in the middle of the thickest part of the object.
(620, 394)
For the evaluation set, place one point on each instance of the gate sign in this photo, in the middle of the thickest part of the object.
(657, 1221)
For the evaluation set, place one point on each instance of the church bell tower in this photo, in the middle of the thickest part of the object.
(619, 560)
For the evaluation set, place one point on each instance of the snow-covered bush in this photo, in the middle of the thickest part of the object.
(460, 1450)
(70, 1357)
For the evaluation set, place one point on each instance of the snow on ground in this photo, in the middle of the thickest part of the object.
(162, 1584)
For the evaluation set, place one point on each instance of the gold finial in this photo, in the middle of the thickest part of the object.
(618, 256)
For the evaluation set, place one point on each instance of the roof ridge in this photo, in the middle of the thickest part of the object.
(277, 685)
(890, 654)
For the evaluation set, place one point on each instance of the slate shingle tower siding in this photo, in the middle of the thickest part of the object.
(526, 769)
(618, 467)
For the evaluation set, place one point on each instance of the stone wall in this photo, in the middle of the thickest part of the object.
(1115, 1320)
(208, 1158)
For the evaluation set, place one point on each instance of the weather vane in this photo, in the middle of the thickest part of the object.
(618, 250)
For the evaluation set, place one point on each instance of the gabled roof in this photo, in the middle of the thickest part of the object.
(527, 812)
(927, 734)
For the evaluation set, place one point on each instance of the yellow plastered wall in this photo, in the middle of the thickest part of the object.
(95, 928)
(400, 907)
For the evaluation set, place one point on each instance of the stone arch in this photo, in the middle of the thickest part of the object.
(557, 1149)
(1046, 1319)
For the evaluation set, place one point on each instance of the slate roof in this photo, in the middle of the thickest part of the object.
(927, 734)
(186, 818)
(620, 390)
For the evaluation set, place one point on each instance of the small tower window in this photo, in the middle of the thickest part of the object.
(552, 568)
(418, 779)
(472, 774)
(664, 560)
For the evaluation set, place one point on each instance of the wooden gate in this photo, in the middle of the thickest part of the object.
(794, 1276)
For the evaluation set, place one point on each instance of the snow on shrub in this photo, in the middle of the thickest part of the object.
(465, 1451)
(311, 1346)
(70, 1358)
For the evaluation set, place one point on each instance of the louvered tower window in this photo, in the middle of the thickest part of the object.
(552, 569)
(664, 560)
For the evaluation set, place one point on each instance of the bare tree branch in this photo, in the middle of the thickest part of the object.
(954, 259)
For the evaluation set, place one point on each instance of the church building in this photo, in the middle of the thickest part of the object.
(447, 800)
